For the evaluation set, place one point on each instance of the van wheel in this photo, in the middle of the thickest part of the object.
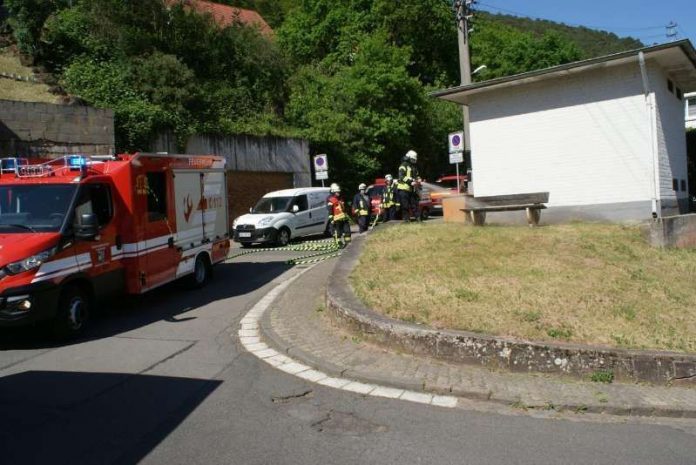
(201, 272)
(73, 313)
(283, 237)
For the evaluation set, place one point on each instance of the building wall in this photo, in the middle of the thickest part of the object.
(583, 138)
(671, 143)
(44, 129)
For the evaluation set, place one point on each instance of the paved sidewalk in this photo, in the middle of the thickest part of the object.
(297, 324)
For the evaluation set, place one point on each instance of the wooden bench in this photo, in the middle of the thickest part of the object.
(533, 203)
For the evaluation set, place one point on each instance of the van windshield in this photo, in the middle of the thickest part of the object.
(272, 205)
(34, 207)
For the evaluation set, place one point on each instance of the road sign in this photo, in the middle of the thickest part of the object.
(321, 175)
(456, 157)
(321, 163)
(456, 142)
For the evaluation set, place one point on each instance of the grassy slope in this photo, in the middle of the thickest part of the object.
(581, 283)
(19, 90)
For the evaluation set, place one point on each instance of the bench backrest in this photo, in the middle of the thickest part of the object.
(510, 199)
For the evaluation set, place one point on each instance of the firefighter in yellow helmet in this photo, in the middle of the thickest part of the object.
(362, 207)
(338, 216)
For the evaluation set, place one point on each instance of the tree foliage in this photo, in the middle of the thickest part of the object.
(353, 76)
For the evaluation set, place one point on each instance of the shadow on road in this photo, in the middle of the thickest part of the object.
(169, 303)
(61, 417)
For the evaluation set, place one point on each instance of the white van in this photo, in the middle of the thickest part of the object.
(283, 215)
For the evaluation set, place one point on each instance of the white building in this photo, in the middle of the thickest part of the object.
(605, 136)
(690, 110)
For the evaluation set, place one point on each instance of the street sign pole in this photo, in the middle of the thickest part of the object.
(458, 188)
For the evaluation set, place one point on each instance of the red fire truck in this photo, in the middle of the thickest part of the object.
(77, 230)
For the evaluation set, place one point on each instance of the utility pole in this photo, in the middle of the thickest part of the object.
(671, 31)
(464, 11)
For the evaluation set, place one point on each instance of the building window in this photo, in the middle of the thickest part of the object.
(679, 93)
(675, 184)
(691, 108)
(683, 185)
(156, 196)
(670, 85)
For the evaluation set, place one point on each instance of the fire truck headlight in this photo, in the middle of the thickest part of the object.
(266, 221)
(30, 263)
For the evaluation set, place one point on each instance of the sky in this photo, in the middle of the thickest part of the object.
(640, 19)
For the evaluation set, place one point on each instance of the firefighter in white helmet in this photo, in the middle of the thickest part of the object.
(388, 199)
(338, 217)
(362, 207)
(407, 186)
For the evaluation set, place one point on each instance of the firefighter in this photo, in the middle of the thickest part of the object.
(388, 205)
(406, 186)
(338, 218)
(361, 208)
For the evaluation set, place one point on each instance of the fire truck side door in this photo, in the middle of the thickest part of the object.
(158, 254)
(100, 258)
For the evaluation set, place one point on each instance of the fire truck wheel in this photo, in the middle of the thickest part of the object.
(283, 237)
(73, 313)
(201, 272)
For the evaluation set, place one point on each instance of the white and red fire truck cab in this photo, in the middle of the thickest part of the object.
(77, 230)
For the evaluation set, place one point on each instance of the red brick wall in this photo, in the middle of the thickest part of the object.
(245, 188)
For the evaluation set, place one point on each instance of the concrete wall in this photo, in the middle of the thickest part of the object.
(250, 153)
(44, 129)
(586, 139)
(674, 231)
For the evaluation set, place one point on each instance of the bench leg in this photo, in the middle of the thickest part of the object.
(478, 218)
(533, 215)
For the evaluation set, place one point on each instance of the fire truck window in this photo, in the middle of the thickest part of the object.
(156, 196)
(95, 198)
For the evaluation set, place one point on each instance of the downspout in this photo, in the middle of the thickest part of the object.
(650, 107)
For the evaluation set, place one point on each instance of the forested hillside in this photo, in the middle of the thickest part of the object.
(353, 77)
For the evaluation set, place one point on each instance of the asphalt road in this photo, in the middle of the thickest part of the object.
(161, 380)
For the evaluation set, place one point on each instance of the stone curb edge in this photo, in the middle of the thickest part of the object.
(507, 353)
(285, 347)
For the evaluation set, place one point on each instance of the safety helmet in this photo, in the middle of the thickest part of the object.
(362, 186)
(335, 188)
(388, 178)
(412, 156)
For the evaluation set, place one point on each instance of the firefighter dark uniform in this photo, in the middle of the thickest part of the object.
(388, 200)
(338, 218)
(361, 207)
(405, 186)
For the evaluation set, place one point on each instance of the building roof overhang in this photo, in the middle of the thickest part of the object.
(678, 59)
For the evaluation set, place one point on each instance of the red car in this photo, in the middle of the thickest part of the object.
(447, 186)
(375, 191)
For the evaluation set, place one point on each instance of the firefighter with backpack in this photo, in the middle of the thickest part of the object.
(407, 186)
(338, 216)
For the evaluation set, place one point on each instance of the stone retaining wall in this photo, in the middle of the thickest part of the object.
(43, 129)
(498, 352)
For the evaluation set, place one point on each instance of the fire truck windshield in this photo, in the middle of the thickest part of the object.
(272, 205)
(34, 207)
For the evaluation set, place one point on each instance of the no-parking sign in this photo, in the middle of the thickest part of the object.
(456, 142)
(321, 163)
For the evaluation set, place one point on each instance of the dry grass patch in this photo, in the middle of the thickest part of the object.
(21, 90)
(585, 283)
